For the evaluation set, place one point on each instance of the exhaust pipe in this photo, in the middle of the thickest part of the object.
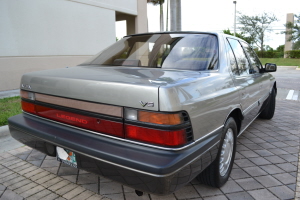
(139, 193)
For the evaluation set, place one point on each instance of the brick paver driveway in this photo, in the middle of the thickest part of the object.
(265, 168)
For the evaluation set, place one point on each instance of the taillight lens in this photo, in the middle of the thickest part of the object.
(156, 136)
(28, 107)
(27, 95)
(160, 118)
(154, 117)
(78, 120)
(165, 129)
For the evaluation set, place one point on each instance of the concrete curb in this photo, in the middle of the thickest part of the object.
(9, 93)
(4, 131)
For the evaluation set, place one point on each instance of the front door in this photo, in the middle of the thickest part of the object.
(247, 80)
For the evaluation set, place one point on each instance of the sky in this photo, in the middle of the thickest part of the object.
(218, 15)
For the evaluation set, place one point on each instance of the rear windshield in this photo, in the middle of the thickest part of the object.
(168, 51)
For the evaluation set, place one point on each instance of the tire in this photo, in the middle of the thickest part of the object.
(268, 111)
(217, 174)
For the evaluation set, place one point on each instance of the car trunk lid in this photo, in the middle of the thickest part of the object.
(107, 85)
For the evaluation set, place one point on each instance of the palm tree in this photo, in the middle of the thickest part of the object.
(175, 14)
(167, 20)
(160, 3)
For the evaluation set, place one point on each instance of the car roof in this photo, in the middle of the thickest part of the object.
(176, 32)
(218, 34)
(185, 32)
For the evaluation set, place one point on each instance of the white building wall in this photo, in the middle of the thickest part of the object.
(54, 27)
(47, 34)
(124, 6)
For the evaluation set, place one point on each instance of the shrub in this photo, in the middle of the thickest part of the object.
(293, 54)
(270, 54)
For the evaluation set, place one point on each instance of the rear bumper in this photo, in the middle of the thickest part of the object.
(143, 168)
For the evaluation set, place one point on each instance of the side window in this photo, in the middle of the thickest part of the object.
(241, 59)
(233, 65)
(255, 63)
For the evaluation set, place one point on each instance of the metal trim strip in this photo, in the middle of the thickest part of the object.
(76, 111)
(241, 132)
(262, 99)
(205, 136)
(81, 105)
(251, 107)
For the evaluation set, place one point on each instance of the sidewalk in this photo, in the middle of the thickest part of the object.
(9, 93)
(7, 142)
(4, 131)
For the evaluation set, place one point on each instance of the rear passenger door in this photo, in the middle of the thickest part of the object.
(245, 79)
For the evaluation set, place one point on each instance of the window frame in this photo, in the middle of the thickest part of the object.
(244, 53)
(249, 59)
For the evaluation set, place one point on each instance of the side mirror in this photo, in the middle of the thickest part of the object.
(270, 67)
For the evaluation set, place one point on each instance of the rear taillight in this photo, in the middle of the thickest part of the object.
(165, 129)
(154, 117)
(156, 136)
(155, 128)
(27, 95)
(28, 107)
(82, 121)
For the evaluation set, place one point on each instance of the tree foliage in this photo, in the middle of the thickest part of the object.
(296, 45)
(280, 48)
(239, 35)
(256, 27)
(293, 29)
(156, 2)
(269, 52)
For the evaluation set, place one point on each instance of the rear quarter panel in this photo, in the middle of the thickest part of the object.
(208, 101)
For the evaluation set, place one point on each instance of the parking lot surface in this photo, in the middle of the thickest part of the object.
(266, 165)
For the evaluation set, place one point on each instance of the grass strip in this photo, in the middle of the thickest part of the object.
(9, 107)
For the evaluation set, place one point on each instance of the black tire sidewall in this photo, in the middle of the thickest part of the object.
(221, 180)
(269, 110)
(272, 104)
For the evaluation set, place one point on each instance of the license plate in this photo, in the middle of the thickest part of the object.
(66, 156)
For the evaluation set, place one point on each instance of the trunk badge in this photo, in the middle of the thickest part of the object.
(148, 104)
(25, 86)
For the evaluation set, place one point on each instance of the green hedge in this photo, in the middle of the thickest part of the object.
(293, 54)
(270, 54)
